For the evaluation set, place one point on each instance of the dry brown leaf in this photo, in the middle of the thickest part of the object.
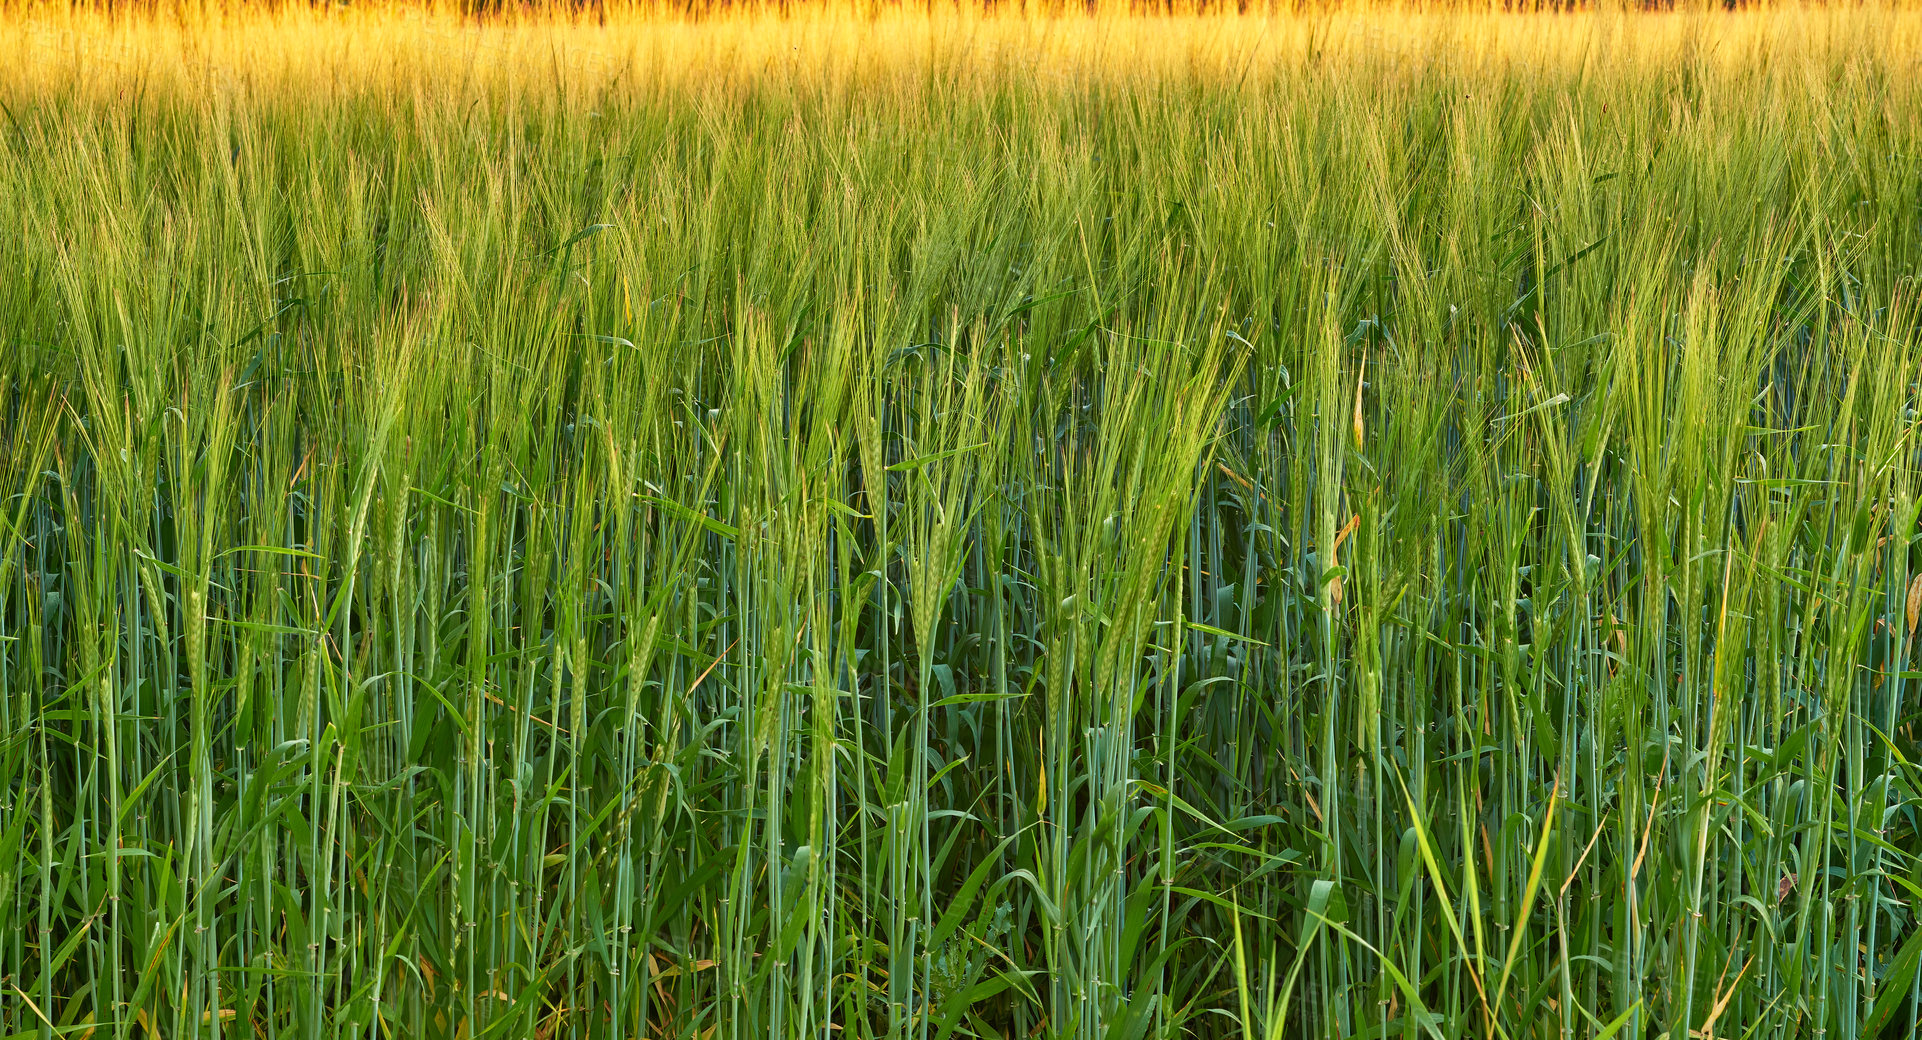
(1915, 601)
(1359, 428)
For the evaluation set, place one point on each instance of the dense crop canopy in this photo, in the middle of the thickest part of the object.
(959, 524)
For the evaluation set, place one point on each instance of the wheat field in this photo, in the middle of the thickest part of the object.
(865, 521)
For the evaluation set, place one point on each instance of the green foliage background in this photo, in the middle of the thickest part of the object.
(1380, 546)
